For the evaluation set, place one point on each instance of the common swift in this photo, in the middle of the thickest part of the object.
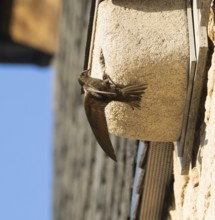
(98, 93)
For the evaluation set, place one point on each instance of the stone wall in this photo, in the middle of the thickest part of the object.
(195, 193)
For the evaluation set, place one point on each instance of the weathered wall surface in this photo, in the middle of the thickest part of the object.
(195, 193)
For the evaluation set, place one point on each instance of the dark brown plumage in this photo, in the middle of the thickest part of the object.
(98, 93)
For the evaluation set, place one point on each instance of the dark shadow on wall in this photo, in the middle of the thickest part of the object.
(5, 16)
(199, 140)
(12, 52)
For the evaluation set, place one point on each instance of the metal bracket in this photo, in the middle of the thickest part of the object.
(198, 55)
(138, 179)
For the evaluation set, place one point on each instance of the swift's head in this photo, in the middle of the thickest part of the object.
(83, 77)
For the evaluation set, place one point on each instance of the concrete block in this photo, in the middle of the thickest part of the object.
(144, 42)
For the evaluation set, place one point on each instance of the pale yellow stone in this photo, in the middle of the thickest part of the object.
(144, 42)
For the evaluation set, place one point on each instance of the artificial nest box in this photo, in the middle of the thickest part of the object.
(144, 42)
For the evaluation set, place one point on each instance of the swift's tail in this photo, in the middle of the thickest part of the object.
(132, 94)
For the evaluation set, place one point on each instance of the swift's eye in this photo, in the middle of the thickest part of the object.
(85, 73)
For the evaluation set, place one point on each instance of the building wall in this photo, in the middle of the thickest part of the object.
(195, 193)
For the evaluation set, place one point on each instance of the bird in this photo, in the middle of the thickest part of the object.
(98, 93)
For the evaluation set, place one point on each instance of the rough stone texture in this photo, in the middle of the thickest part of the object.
(87, 185)
(195, 193)
(144, 42)
(35, 23)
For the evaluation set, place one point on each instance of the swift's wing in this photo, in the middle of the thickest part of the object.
(95, 111)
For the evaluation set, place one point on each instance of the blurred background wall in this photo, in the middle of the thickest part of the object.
(88, 185)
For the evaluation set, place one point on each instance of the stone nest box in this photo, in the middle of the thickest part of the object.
(144, 42)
